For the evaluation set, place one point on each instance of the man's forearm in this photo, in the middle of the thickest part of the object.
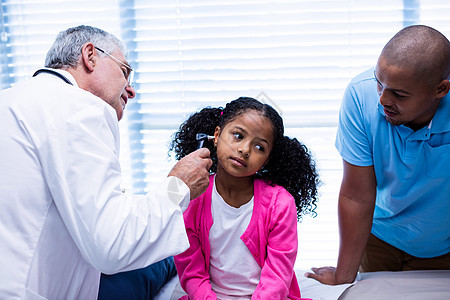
(355, 223)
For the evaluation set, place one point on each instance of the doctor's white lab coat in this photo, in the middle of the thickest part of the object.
(63, 216)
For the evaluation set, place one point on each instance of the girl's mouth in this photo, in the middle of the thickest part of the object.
(238, 161)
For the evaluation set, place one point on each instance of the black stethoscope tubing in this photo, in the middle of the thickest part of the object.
(64, 78)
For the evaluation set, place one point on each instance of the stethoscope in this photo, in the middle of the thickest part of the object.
(50, 71)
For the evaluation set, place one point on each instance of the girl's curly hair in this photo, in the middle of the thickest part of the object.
(290, 163)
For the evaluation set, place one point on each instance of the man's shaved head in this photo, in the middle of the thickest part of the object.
(422, 50)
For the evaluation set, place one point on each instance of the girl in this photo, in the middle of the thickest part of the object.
(243, 229)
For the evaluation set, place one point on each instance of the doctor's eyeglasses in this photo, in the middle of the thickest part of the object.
(128, 74)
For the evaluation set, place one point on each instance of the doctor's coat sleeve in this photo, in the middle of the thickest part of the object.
(114, 231)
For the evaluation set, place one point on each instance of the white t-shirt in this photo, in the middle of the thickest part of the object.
(234, 271)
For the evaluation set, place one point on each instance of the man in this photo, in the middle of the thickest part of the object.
(394, 138)
(63, 216)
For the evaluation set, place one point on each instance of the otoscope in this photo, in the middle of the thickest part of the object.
(201, 138)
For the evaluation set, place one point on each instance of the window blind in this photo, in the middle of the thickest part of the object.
(296, 55)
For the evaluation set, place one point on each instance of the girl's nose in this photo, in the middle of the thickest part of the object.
(244, 149)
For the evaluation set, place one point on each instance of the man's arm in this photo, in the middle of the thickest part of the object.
(355, 210)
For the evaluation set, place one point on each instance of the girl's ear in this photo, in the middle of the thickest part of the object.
(216, 135)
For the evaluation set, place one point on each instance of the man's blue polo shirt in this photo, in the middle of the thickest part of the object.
(412, 169)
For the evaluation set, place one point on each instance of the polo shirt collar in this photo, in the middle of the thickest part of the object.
(441, 119)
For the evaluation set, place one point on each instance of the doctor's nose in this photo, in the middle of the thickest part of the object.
(131, 92)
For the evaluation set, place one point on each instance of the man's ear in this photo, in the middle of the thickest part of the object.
(88, 57)
(443, 88)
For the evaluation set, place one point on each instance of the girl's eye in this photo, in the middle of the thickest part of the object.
(238, 136)
(260, 148)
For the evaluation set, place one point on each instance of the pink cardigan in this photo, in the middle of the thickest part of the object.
(271, 238)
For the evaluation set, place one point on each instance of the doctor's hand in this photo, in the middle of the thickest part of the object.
(193, 169)
(325, 275)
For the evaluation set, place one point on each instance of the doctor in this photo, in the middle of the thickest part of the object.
(63, 216)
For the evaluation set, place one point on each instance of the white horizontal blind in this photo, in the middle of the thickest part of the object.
(297, 55)
(436, 13)
(30, 28)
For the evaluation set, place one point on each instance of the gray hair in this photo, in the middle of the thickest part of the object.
(66, 50)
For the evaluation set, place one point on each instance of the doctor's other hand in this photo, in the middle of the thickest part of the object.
(325, 275)
(193, 169)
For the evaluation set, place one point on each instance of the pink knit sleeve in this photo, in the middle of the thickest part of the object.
(277, 274)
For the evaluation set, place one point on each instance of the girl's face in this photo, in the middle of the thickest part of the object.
(244, 144)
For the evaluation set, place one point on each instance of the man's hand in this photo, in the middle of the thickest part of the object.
(326, 275)
(193, 169)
